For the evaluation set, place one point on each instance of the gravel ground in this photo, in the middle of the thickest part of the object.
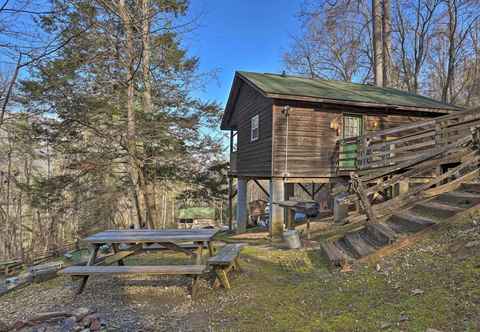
(126, 303)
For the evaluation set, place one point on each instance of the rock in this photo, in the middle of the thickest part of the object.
(69, 324)
(385, 325)
(81, 313)
(4, 327)
(40, 329)
(472, 244)
(432, 330)
(95, 325)
(417, 291)
(403, 317)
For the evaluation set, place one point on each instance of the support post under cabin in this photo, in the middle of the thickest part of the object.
(230, 203)
(242, 214)
(276, 212)
(289, 214)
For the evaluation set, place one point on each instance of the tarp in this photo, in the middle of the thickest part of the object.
(196, 213)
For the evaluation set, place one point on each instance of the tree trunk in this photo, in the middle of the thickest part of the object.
(377, 42)
(387, 43)
(131, 118)
(147, 106)
(452, 29)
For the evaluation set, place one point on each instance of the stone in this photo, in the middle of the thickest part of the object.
(81, 313)
(403, 317)
(432, 330)
(95, 325)
(4, 327)
(417, 291)
(472, 244)
(69, 324)
(385, 325)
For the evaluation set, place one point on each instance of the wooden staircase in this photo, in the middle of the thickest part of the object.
(370, 237)
(442, 153)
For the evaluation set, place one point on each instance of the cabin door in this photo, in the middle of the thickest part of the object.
(352, 127)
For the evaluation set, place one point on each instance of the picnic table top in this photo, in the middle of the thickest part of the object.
(152, 235)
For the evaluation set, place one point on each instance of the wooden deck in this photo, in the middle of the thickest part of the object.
(393, 148)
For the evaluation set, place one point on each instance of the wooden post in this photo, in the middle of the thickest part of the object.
(289, 214)
(403, 187)
(360, 191)
(276, 212)
(230, 203)
(242, 214)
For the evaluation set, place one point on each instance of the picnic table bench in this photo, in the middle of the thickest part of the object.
(139, 240)
(224, 261)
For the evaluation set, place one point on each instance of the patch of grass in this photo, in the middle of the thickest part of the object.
(296, 291)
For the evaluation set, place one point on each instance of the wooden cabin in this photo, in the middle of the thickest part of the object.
(287, 130)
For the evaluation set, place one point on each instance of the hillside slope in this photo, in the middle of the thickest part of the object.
(428, 281)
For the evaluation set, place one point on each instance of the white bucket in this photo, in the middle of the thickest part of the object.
(292, 239)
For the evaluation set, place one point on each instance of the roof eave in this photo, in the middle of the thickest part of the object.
(362, 104)
(232, 99)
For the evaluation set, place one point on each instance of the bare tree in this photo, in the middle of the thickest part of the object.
(377, 42)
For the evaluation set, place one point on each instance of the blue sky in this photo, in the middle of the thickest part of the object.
(234, 35)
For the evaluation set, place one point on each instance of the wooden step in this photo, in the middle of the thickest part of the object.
(459, 198)
(335, 255)
(440, 206)
(381, 233)
(358, 245)
(470, 187)
(408, 222)
(463, 194)
(435, 209)
(164, 269)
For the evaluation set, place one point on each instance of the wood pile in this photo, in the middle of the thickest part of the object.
(81, 319)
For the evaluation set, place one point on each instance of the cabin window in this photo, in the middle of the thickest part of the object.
(254, 131)
(352, 126)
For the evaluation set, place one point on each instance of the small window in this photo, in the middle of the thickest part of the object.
(254, 132)
(352, 126)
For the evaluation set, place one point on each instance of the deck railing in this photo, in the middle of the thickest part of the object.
(393, 146)
(392, 156)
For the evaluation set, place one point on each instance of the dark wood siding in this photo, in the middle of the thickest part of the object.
(311, 140)
(254, 158)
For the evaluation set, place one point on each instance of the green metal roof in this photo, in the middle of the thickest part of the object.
(295, 86)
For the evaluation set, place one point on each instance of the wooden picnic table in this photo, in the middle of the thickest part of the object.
(170, 239)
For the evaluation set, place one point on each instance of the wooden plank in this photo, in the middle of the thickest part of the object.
(450, 117)
(359, 246)
(149, 236)
(452, 185)
(415, 170)
(440, 206)
(385, 208)
(226, 255)
(261, 187)
(417, 160)
(336, 256)
(360, 191)
(397, 150)
(120, 256)
(162, 270)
